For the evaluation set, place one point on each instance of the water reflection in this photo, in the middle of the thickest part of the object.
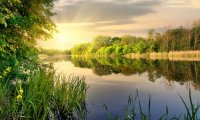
(181, 72)
(112, 80)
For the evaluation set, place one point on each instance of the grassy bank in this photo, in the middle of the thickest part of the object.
(172, 55)
(44, 95)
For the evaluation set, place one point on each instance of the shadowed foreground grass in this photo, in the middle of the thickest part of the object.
(131, 111)
(45, 96)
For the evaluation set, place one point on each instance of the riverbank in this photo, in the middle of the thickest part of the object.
(172, 55)
(44, 95)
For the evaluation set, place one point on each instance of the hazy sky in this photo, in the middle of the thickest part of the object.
(79, 21)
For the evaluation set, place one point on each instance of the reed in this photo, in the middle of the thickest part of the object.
(131, 111)
(44, 96)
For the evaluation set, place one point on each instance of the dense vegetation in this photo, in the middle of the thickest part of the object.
(29, 89)
(22, 22)
(172, 39)
(44, 96)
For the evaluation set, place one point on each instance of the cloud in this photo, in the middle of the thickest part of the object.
(125, 16)
(182, 3)
(99, 11)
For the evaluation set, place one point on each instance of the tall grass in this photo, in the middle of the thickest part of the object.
(131, 111)
(44, 96)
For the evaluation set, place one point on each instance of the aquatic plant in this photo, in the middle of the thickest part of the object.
(131, 111)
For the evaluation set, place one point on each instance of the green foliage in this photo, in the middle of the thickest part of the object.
(44, 96)
(109, 50)
(91, 49)
(153, 46)
(21, 23)
(31, 90)
(101, 41)
(173, 39)
(81, 49)
(127, 49)
(116, 40)
(139, 47)
(127, 39)
(119, 50)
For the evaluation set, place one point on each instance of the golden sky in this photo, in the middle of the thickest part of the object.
(78, 21)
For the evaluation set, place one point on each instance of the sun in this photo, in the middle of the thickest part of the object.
(67, 36)
(61, 38)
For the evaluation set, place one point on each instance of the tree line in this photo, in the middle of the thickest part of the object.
(172, 39)
(180, 72)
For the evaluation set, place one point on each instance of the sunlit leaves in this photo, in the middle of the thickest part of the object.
(22, 22)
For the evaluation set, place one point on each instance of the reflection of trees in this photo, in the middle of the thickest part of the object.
(181, 72)
(101, 70)
(168, 84)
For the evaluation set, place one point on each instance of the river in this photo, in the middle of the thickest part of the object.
(112, 80)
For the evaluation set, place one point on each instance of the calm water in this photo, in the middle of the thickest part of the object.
(111, 81)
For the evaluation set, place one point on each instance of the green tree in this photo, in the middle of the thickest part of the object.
(127, 39)
(119, 50)
(109, 50)
(101, 41)
(22, 22)
(140, 47)
(196, 35)
(116, 40)
(127, 49)
(150, 35)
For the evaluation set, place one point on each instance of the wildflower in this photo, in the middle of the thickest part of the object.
(21, 91)
(19, 97)
(19, 81)
(4, 73)
(8, 69)
(14, 81)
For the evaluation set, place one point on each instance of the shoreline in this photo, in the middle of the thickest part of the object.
(172, 55)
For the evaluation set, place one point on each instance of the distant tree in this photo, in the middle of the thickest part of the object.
(127, 39)
(152, 44)
(109, 50)
(151, 34)
(116, 40)
(101, 41)
(196, 34)
(127, 49)
(90, 49)
(119, 50)
(140, 47)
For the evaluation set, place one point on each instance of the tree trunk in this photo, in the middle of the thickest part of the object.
(196, 39)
